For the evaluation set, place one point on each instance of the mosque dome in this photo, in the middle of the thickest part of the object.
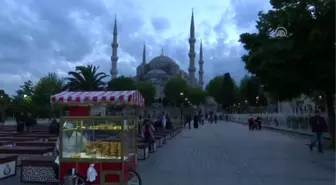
(161, 61)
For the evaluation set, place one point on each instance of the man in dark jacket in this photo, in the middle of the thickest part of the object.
(30, 121)
(54, 126)
(20, 121)
(318, 126)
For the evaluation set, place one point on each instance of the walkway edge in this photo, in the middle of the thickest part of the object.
(283, 130)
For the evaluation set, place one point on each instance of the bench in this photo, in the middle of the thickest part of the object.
(35, 144)
(18, 139)
(159, 134)
(38, 169)
(6, 143)
(159, 141)
(143, 152)
(154, 145)
(24, 152)
(8, 165)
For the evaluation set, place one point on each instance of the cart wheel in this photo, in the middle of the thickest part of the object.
(133, 178)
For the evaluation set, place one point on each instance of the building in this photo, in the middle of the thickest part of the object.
(161, 68)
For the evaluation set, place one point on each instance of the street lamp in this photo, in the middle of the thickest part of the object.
(181, 94)
(245, 101)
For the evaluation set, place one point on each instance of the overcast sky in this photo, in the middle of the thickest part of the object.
(41, 36)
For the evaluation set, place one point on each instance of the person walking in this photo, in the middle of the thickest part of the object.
(196, 119)
(215, 118)
(318, 126)
(20, 122)
(188, 121)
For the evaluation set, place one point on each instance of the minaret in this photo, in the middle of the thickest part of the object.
(192, 54)
(201, 71)
(114, 57)
(144, 55)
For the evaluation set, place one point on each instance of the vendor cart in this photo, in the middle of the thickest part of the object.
(98, 150)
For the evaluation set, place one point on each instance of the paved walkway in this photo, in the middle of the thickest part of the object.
(229, 154)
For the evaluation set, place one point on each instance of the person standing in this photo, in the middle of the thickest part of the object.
(215, 118)
(20, 122)
(148, 133)
(164, 121)
(188, 121)
(196, 119)
(30, 121)
(250, 121)
(318, 126)
(54, 126)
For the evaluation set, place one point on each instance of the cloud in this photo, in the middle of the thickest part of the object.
(38, 37)
(160, 23)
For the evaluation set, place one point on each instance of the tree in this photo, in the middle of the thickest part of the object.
(4, 103)
(121, 84)
(251, 90)
(196, 96)
(21, 102)
(303, 60)
(214, 88)
(229, 91)
(173, 89)
(148, 91)
(47, 86)
(85, 78)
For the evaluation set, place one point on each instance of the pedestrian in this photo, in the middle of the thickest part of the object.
(20, 121)
(54, 126)
(29, 122)
(163, 121)
(318, 126)
(215, 118)
(258, 123)
(188, 121)
(148, 133)
(196, 119)
(250, 121)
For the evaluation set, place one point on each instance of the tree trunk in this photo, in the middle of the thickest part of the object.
(331, 115)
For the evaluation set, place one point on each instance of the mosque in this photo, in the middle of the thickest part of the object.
(161, 68)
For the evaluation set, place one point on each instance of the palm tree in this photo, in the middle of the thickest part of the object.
(85, 78)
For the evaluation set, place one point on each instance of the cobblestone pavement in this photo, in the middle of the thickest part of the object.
(229, 154)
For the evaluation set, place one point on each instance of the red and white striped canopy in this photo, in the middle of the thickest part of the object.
(99, 97)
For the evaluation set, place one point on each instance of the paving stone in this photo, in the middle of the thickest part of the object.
(229, 154)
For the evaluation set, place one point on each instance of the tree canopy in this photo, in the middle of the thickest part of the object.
(214, 88)
(224, 90)
(85, 78)
(196, 95)
(148, 91)
(121, 83)
(173, 89)
(4, 103)
(301, 62)
(47, 86)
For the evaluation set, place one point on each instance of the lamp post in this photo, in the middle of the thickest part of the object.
(181, 109)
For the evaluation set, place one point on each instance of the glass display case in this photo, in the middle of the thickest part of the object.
(98, 138)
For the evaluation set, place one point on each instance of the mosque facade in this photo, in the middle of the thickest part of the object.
(161, 68)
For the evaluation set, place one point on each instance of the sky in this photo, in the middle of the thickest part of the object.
(42, 36)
